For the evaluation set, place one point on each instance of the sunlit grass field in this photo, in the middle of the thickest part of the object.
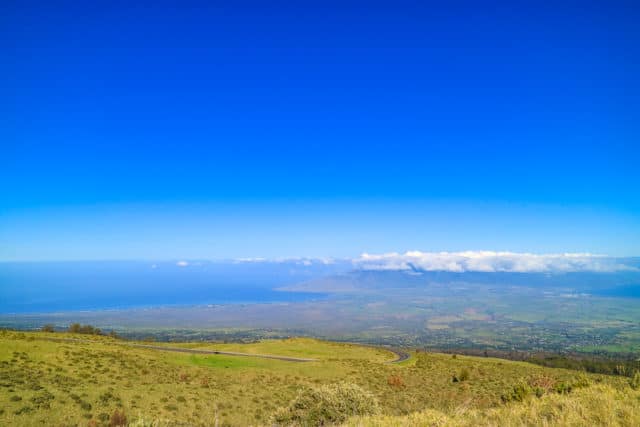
(598, 405)
(65, 383)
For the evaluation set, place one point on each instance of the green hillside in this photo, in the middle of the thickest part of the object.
(65, 379)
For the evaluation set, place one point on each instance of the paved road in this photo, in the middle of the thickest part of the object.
(188, 350)
(401, 354)
(228, 353)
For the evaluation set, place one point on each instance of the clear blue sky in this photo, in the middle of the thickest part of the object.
(232, 129)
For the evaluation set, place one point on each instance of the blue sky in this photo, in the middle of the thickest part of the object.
(239, 129)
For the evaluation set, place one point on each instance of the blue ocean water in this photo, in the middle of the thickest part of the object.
(48, 287)
(626, 291)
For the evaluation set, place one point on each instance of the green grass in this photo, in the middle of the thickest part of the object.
(77, 383)
(226, 362)
(298, 347)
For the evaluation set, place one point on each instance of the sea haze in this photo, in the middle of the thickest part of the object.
(66, 286)
(338, 300)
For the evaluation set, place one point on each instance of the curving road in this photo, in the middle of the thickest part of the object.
(227, 353)
(401, 355)
(187, 350)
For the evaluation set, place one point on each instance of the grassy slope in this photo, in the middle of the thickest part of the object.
(597, 405)
(72, 383)
(297, 347)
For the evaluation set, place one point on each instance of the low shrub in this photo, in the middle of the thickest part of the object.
(518, 393)
(543, 382)
(43, 400)
(566, 387)
(23, 410)
(328, 404)
(396, 381)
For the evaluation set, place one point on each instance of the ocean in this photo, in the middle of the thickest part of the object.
(65, 286)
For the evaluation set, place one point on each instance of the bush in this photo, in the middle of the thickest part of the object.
(518, 393)
(327, 404)
(542, 384)
(23, 410)
(43, 400)
(396, 381)
(567, 387)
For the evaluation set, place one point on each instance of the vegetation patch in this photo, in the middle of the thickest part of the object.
(329, 404)
(86, 380)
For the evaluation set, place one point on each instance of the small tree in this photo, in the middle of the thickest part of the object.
(48, 328)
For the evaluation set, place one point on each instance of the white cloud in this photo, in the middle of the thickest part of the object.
(294, 260)
(257, 259)
(490, 261)
(182, 263)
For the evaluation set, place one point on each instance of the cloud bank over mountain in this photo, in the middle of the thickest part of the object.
(491, 262)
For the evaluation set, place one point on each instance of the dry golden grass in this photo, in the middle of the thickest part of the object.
(82, 383)
(596, 405)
